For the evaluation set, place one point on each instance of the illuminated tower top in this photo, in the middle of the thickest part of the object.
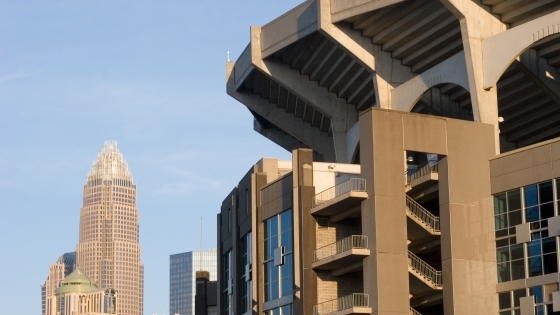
(110, 163)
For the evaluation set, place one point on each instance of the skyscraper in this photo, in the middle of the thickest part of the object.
(109, 251)
(63, 267)
(182, 278)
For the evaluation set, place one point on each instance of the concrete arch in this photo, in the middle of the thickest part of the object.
(452, 70)
(499, 51)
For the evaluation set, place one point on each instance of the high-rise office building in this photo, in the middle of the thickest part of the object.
(63, 267)
(182, 278)
(426, 165)
(109, 251)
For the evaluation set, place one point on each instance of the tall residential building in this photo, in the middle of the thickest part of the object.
(182, 278)
(109, 249)
(63, 267)
(425, 171)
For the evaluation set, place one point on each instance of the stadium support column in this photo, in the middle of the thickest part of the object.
(478, 24)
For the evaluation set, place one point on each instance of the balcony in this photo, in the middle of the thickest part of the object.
(343, 256)
(357, 303)
(345, 196)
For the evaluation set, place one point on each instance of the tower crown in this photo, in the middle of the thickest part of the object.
(110, 163)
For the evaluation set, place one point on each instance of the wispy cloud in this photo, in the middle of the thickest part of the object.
(12, 76)
(182, 169)
(189, 185)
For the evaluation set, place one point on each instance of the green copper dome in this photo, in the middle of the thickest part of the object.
(76, 282)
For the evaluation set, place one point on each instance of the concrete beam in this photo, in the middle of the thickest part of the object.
(343, 116)
(322, 64)
(501, 50)
(388, 71)
(279, 137)
(348, 39)
(553, 94)
(343, 9)
(288, 28)
(312, 137)
(452, 70)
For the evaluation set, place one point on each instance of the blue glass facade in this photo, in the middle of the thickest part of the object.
(279, 276)
(531, 206)
(182, 278)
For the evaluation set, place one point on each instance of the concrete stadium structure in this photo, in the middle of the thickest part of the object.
(425, 176)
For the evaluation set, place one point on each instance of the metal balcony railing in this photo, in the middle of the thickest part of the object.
(353, 184)
(423, 214)
(345, 302)
(426, 271)
(414, 312)
(421, 170)
(340, 246)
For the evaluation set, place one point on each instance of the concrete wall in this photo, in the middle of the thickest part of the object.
(324, 178)
(468, 249)
(526, 166)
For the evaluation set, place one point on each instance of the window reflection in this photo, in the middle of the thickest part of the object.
(279, 280)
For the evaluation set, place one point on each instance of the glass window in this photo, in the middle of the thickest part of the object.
(227, 281)
(509, 301)
(507, 212)
(287, 275)
(511, 264)
(271, 237)
(247, 284)
(531, 198)
(538, 293)
(514, 200)
(545, 192)
(547, 210)
(279, 279)
(504, 300)
(282, 310)
(539, 256)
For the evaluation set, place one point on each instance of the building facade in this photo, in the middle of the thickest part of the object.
(109, 249)
(182, 278)
(62, 268)
(79, 295)
(526, 189)
(206, 298)
(425, 161)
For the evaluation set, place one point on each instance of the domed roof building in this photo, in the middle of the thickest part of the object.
(78, 294)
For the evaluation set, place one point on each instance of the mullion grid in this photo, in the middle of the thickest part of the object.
(540, 254)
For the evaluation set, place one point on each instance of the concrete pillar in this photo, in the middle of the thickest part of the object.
(478, 24)
(305, 295)
(466, 218)
(383, 213)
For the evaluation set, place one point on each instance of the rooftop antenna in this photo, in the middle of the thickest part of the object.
(228, 56)
(200, 252)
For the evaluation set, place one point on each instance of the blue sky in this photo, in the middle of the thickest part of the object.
(148, 74)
